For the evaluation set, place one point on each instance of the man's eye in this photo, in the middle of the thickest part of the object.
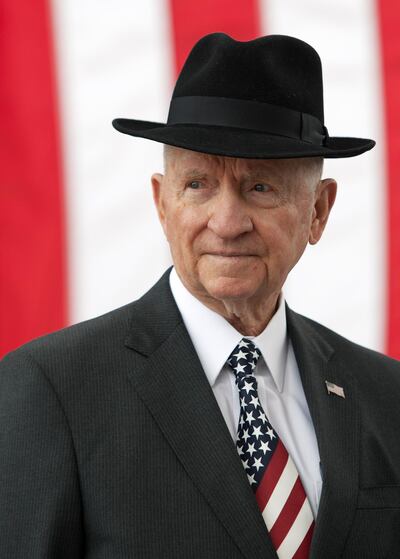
(195, 185)
(260, 187)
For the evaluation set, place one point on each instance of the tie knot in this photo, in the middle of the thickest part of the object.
(244, 357)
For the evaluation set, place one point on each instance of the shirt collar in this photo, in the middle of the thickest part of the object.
(214, 338)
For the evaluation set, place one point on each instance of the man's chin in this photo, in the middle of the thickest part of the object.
(231, 288)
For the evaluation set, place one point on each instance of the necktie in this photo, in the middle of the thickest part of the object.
(271, 472)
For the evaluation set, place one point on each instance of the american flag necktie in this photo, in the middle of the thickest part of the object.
(271, 472)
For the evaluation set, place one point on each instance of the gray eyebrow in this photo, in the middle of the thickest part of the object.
(193, 172)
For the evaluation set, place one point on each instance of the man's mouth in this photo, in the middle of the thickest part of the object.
(230, 254)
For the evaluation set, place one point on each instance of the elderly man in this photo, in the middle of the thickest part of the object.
(208, 419)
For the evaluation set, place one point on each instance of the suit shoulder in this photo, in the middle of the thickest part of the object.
(91, 347)
(348, 349)
(78, 339)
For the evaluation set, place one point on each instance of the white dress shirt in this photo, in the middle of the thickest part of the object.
(280, 389)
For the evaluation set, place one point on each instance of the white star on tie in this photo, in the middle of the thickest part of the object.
(264, 447)
(242, 422)
(239, 355)
(254, 401)
(251, 478)
(262, 417)
(249, 417)
(256, 432)
(245, 435)
(240, 450)
(248, 386)
(251, 450)
(270, 433)
(257, 463)
(242, 402)
(242, 343)
(239, 368)
(253, 365)
(245, 463)
(255, 354)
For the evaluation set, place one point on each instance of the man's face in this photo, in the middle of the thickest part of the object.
(236, 227)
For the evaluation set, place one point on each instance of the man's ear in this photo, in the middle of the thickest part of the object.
(156, 183)
(324, 199)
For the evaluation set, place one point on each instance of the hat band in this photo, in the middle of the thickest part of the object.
(253, 115)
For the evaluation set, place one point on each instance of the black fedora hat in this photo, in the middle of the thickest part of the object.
(255, 99)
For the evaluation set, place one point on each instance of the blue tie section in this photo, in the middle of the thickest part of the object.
(256, 439)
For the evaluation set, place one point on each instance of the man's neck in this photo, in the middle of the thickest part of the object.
(246, 317)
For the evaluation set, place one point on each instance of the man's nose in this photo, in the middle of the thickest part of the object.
(229, 217)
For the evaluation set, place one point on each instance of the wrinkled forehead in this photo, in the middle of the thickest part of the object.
(183, 162)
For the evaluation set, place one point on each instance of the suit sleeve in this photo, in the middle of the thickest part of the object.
(40, 503)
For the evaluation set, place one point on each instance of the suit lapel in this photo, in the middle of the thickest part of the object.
(172, 383)
(336, 422)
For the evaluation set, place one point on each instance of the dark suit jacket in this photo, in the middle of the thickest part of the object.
(112, 445)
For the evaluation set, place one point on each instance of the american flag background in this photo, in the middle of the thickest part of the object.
(79, 235)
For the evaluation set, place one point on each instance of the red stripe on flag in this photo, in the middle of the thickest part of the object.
(271, 475)
(288, 514)
(32, 267)
(192, 20)
(389, 16)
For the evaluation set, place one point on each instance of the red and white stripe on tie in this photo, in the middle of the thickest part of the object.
(285, 508)
(270, 470)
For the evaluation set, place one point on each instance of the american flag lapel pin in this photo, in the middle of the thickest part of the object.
(334, 389)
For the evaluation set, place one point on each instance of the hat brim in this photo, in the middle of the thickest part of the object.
(239, 142)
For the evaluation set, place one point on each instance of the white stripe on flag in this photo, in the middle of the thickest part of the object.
(280, 494)
(114, 60)
(297, 532)
(341, 281)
